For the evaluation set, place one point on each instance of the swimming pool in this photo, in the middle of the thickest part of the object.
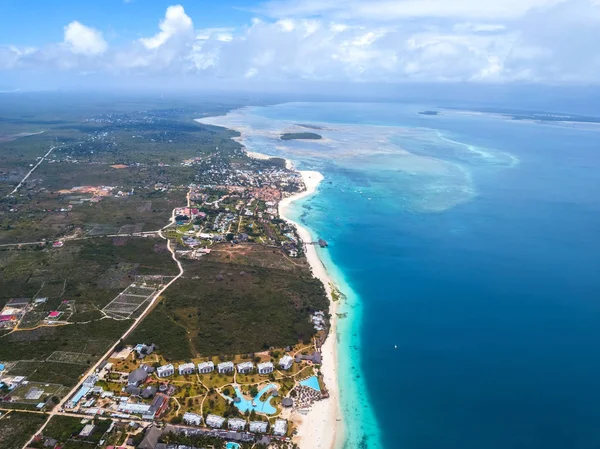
(260, 406)
(231, 445)
(312, 382)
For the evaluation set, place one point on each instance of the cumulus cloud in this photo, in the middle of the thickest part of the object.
(350, 40)
(176, 24)
(84, 40)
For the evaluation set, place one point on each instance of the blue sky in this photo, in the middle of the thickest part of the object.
(262, 42)
(37, 22)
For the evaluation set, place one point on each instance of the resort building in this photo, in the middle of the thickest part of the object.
(245, 367)
(280, 427)
(206, 367)
(187, 368)
(192, 419)
(215, 421)
(87, 430)
(134, 408)
(225, 367)
(138, 376)
(165, 370)
(315, 358)
(286, 362)
(265, 368)
(258, 426)
(236, 424)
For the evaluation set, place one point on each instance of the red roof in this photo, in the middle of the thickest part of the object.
(53, 314)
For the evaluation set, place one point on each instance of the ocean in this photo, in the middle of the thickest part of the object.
(468, 248)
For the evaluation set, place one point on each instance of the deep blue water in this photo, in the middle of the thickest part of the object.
(486, 274)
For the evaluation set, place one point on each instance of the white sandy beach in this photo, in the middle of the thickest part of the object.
(320, 428)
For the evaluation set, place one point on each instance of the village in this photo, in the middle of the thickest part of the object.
(235, 206)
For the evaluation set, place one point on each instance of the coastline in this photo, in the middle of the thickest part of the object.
(322, 427)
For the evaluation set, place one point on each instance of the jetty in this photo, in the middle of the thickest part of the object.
(322, 243)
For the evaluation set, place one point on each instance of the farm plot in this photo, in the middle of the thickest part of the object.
(35, 392)
(128, 301)
(76, 358)
(101, 229)
(32, 319)
(131, 228)
(52, 289)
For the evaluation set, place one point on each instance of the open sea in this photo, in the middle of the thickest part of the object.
(468, 248)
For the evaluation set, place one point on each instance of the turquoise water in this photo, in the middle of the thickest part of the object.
(467, 248)
(261, 406)
(231, 445)
(312, 382)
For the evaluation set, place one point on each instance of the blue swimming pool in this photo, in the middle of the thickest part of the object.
(259, 405)
(312, 382)
(231, 445)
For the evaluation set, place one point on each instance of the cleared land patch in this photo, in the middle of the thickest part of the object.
(129, 300)
(76, 358)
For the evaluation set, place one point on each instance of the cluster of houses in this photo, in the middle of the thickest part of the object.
(183, 369)
(318, 320)
(236, 424)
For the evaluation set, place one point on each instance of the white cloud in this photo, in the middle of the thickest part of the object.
(430, 40)
(175, 24)
(84, 40)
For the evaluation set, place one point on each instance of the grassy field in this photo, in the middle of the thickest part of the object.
(17, 427)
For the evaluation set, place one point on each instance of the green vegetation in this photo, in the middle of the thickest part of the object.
(301, 136)
(65, 430)
(234, 307)
(162, 330)
(17, 427)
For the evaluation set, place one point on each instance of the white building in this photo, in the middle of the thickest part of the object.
(258, 426)
(165, 370)
(186, 368)
(215, 421)
(280, 427)
(136, 408)
(236, 424)
(245, 367)
(192, 419)
(206, 367)
(225, 367)
(265, 368)
(286, 362)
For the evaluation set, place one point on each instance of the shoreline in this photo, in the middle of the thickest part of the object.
(322, 427)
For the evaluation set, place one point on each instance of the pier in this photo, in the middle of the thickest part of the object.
(322, 243)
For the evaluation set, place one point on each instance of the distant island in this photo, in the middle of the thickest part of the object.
(429, 112)
(304, 125)
(299, 136)
(541, 116)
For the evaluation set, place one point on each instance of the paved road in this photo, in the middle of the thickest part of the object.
(61, 404)
(31, 171)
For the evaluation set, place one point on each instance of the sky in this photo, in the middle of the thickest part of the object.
(224, 43)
